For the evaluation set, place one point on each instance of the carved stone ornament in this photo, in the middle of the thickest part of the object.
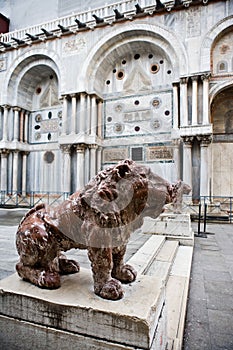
(100, 217)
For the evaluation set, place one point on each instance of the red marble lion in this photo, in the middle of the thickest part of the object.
(98, 218)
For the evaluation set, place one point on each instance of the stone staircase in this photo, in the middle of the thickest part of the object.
(166, 259)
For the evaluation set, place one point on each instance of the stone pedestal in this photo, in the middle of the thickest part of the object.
(73, 317)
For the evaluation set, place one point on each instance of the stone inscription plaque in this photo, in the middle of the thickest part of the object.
(159, 152)
(115, 154)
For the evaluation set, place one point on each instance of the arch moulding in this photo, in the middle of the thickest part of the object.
(209, 39)
(46, 57)
(152, 34)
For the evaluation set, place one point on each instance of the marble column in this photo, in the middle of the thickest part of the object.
(73, 114)
(99, 159)
(16, 123)
(5, 123)
(66, 168)
(100, 118)
(93, 116)
(15, 170)
(21, 126)
(176, 158)
(194, 99)
(88, 115)
(24, 172)
(93, 149)
(64, 115)
(82, 113)
(175, 106)
(187, 159)
(205, 141)
(4, 158)
(80, 149)
(205, 80)
(183, 102)
(26, 118)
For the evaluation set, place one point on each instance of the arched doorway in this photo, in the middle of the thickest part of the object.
(222, 119)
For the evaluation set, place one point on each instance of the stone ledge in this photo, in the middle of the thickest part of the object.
(131, 322)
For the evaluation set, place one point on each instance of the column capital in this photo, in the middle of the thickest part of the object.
(16, 109)
(188, 140)
(6, 106)
(195, 77)
(205, 76)
(176, 142)
(25, 153)
(73, 95)
(4, 152)
(93, 146)
(80, 147)
(65, 148)
(204, 140)
(184, 80)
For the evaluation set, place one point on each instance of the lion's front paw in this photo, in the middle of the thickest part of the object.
(48, 279)
(112, 290)
(125, 274)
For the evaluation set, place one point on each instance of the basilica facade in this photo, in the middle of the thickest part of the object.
(83, 86)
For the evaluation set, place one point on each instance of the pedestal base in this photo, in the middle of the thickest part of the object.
(73, 317)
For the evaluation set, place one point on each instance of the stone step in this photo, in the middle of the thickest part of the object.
(144, 257)
(176, 296)
(162, 263)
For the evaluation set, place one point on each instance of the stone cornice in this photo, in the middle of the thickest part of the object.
(89, 20)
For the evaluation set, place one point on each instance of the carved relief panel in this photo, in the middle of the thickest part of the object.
(139, 115)
(45, 125)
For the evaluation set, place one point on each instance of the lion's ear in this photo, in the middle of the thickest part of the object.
(123, 169)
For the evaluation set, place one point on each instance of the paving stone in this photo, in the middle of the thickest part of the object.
(219, 301)
(220, 321)
(220, 276)
(223, 287)
(221, 341)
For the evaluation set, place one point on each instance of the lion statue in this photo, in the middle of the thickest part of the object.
(98, 218)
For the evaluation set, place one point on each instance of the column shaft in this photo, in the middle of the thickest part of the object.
(16, 123)
(194, 100)
(66, 168)
(15, 170)
(26, 117)
(80, 166)
(5, 123)
(64, 115)
(204, 169)
(175, 107)
(93, 115)
(73, 114)
(187, 160)
(205, 79)
(24, 172)
(184, 102)
(4, 157)
(82, 113)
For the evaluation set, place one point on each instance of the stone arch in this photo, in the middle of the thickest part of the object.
(210, 37)
(152, 35)
(23, 64)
